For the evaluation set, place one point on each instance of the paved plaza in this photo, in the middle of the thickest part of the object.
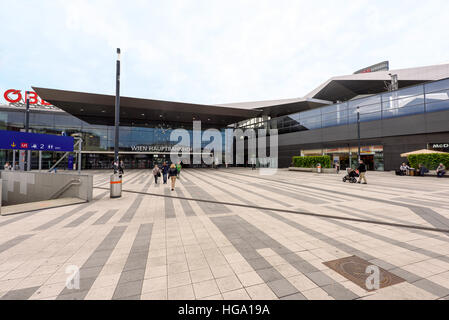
(253, 237)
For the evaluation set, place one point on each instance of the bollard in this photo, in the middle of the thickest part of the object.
(116, 185)
(318, 167)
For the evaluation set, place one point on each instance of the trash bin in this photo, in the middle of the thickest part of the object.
(318, 167)
(116, 185)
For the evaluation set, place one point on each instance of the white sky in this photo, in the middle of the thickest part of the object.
(212, 51)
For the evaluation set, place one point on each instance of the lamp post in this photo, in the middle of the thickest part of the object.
(116, 178)
(27, 128)
(358, 133)
(117, 108)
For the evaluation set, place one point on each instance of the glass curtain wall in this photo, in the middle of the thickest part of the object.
(429, 97)
(96, 138)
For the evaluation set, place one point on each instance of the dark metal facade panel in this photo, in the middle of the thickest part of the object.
(397, 135)
(97, 108)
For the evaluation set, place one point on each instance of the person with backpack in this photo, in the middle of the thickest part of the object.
(156, 173)
(173, 173)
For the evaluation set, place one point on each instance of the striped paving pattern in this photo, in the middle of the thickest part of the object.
(251, 237)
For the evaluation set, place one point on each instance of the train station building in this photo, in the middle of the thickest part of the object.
(400, 111)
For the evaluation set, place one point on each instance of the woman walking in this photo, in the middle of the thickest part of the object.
(173, 173)
(156, 173)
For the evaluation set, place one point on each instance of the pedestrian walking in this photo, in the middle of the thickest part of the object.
(178, 168)
(165, 169)
(173, 173)
(121, 167)
(55, 169)
(362, 172)
(7, 166)
(156, 173)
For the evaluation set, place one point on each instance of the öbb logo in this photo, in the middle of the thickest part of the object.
(15, 96)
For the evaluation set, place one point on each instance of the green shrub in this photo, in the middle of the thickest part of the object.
(311, 162)
(430, 161)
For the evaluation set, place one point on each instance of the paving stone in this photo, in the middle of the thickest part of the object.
(228, 283)
(205, 289)
(128, 289)
(282, 288)
(179, 249)
(296, 296)
(270, 274)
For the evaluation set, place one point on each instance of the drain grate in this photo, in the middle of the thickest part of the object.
(355, 269)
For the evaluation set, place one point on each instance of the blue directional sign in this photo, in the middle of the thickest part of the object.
(15, 140)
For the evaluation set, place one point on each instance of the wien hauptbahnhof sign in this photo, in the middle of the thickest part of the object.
(15, 140)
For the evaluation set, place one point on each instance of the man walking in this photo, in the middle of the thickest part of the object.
(156, 173)
(362, 172)
(165, 172)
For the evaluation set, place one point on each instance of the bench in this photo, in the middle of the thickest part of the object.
(314, 170)
(431, 173)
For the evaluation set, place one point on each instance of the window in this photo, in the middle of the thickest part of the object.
(437, 100)
(436, 86)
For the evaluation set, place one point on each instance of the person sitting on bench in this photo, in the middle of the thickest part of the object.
(441, 170)
(422, 170)
(403, 169)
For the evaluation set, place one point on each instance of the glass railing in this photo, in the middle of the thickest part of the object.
(418, 99)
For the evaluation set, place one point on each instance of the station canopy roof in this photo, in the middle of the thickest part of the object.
(100, 109)
(347, 87)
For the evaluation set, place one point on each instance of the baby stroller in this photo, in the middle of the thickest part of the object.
(351, 176)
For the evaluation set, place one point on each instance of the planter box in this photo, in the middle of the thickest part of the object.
(300, 169)
(314, 170)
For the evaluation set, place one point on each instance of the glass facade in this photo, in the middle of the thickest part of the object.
(425, 98)
(346, 157)
(96, 138)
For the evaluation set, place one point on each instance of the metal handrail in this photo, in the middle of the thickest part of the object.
(69, 184)
(63, 157)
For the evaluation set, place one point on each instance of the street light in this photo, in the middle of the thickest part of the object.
(27, 128)
(358, 133)
(117, 108)
(116, 178)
